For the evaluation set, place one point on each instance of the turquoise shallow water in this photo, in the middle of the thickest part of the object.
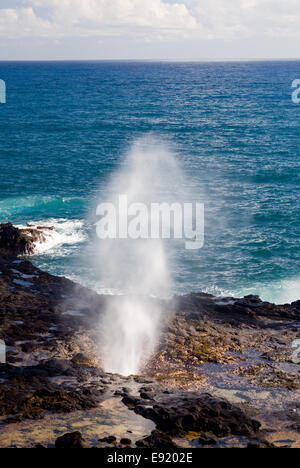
(67, 126)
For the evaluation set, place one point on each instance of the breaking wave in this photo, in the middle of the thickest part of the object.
(58, 232)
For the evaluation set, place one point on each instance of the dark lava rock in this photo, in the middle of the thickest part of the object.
(19, 241)
(81, 360)
(143, 380)
(146, 396)
(125, 441)
(260, 444)
(108, 440)
(130, 401)
(208, 439)
(30, 404)
(202, 330)
(178, 415)
(71, 440)
(158, 440)
(57, 366)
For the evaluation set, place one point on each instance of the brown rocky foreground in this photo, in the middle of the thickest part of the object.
(225, 373)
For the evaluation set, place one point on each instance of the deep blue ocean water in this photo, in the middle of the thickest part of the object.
(67, 126)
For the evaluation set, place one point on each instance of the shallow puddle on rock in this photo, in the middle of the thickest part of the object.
(285, 439)
(277, 409)
(226, 442)
(279, 439)
(237, 396)
(112, 417)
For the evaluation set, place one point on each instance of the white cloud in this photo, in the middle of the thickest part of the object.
(21, 22)
(103, 17)
(152, 19)
(228, 19)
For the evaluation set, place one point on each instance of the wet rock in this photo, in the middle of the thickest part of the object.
(208, 439)
(109, 440)
(208, 330)
(146, 396)
(125, 441)
(32, 404)
(81, 360)
(19, 241)
(146, 389)
(260, 444)
(57, 366)
(157, 440)
(73, 440)
(55, 354)
(179, 414)
(143, 380)
(130, 401)
(268, 376)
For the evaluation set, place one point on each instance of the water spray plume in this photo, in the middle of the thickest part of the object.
(138, 268)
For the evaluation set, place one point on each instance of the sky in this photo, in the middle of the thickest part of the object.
(149, 29)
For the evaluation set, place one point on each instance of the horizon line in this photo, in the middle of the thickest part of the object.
(190, 60)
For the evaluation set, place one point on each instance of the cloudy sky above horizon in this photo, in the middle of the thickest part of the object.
(149, 29)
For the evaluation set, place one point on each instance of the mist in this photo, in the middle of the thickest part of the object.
(136, 269)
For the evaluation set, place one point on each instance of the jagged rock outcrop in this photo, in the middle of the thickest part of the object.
(19, 241)
(73, 440)
(177, 416)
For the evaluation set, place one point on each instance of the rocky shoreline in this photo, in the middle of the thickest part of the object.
(225, 372)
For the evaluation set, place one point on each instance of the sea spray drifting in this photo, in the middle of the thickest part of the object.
(137, 268)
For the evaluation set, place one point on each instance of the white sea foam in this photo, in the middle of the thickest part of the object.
(277, 292)
(65, 232)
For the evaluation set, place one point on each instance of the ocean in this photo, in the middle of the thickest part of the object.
(67, 126)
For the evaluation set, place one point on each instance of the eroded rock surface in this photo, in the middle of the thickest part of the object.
(223, 373)
(73, 440)
(180, 414)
